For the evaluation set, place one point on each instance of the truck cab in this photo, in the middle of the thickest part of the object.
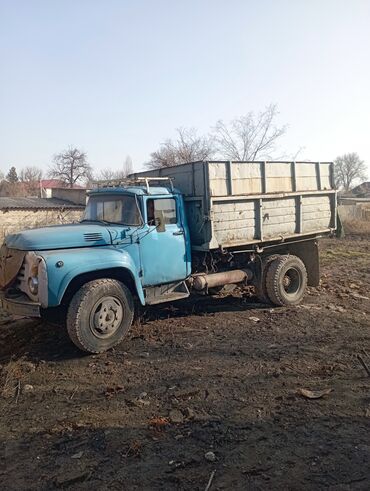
(132, 243)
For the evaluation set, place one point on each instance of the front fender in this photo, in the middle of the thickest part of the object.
(86, 260)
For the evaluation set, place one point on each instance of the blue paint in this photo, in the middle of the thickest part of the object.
(77, 262)
(58, 237)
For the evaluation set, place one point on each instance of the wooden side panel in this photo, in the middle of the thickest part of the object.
(233, 221)
(279, 177)
(279, 217)
(246, 179)
(306, 176)
(325, 171)
(239, 221)
(316, 213)
(218, 179)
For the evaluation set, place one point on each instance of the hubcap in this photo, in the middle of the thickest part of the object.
(106, 317)
(292, 281)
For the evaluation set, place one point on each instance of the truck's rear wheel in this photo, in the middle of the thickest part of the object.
(99, 315)
(286, 280)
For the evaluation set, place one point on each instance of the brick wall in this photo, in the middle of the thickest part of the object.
(16, 220)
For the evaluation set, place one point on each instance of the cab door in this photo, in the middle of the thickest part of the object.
(164, 257)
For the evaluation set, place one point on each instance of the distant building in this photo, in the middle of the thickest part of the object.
(20, 213)
(356, 204)
(362, 191)
(47, 186)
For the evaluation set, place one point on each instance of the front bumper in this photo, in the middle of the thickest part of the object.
(19, 304)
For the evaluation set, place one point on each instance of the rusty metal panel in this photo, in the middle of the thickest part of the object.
(10, 263)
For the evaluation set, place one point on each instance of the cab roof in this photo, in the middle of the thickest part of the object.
(134, 190)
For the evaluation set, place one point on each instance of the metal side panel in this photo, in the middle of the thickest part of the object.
(247, 220)
(227, 178)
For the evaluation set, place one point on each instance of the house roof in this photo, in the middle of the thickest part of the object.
(37, 204)
(362, 190)
(57, 183)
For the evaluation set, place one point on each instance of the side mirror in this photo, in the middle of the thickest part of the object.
(160, 221)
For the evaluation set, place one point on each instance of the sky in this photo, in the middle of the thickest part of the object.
(117, 77)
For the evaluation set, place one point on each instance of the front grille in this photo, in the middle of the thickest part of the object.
(93, 237)
(21, 274)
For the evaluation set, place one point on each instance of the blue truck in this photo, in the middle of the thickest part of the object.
(163, 235)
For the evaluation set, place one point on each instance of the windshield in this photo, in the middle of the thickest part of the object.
(120, 209)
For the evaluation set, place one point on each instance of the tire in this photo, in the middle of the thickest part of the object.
(86, 325)
(286, 280)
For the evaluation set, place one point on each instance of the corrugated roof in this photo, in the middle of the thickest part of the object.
(36, 203)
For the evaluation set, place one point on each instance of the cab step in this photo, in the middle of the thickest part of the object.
(166, 293)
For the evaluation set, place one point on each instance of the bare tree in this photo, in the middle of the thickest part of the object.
(70, 166)
(249, 137)
(104, 175)
(12, 189)
(127, 166)
(30, 174)
(188, 147)
(349, 168)
(108, 174)
(30, 178)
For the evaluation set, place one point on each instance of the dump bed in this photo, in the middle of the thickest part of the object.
(232, 204)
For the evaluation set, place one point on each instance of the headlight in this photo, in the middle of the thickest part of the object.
(33, 279)
(33, 285)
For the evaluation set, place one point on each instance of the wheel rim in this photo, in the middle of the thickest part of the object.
(106, 317)
(292, 281)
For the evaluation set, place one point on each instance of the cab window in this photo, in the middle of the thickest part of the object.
(167, 206)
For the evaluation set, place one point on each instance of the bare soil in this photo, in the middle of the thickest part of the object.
(220, 377)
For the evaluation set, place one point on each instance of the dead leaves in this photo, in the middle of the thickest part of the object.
(112, 391)
(314, 394)
(158, 423)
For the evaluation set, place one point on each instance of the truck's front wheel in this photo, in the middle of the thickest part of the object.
(99, 315)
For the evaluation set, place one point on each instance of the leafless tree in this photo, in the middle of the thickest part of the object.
(70, 166)
(349, 168)
(104, 175)
(30, 178)
(108, 174)
(249, 137)
(30, 174)
(188, 147)
(127, 166)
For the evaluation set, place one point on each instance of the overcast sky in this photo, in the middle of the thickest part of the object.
(116, 77)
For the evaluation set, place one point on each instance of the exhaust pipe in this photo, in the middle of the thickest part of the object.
(202, 281)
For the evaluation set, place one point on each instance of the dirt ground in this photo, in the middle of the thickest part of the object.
(199, 391)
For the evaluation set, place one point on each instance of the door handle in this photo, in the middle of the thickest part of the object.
(178, 232)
